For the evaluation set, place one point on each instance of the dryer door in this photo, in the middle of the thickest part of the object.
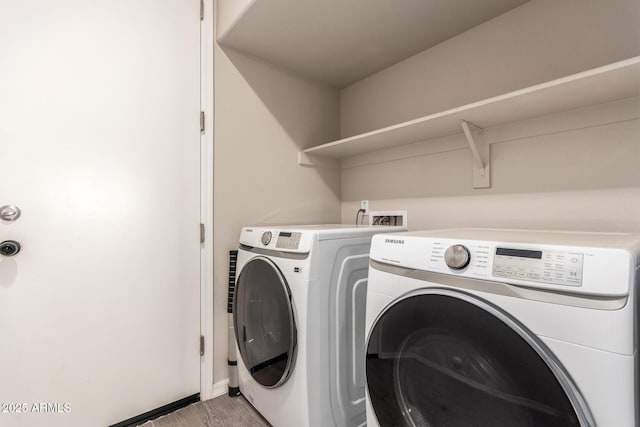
(439, 357)
(264, 322)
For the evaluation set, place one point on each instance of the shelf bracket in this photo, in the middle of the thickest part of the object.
(481, 156)
(317, 161)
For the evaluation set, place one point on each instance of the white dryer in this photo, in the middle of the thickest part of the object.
(299, 322)
(477, 327)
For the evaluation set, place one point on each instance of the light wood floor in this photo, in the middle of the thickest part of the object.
(223, 411)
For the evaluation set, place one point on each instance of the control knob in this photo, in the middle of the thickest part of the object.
(457, 257)
(266, 238)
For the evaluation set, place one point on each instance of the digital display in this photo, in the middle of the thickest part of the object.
(522, 253)
(283, 234)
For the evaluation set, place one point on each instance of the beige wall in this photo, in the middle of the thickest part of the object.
(610, 210)
(228, 13)
(263, 118)
(576, 170)
(538, 41)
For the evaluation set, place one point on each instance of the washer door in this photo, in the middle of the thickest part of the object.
(264, 323)
(445, 358)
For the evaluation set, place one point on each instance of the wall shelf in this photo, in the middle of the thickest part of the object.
(364, 36)
(610, 82)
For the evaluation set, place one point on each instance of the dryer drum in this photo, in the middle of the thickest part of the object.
(440, 359)
(264, 322)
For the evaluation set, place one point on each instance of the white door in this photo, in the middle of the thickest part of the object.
(99, 148)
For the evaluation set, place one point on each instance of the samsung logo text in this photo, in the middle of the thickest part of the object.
(395, 241)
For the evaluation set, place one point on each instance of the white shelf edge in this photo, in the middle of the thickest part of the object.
(317, 161)
(361, 139)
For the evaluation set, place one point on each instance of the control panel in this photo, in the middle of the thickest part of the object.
(582, 263)
(552, 267)
(558, 268)
(276, 239)
(288, 240)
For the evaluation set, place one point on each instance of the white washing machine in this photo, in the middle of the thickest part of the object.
(299, 322)
(475, 327)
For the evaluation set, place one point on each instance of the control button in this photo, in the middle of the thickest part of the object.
(498, 272)
(510, 272)
(521, 274)
(457, 257)
(266, 238)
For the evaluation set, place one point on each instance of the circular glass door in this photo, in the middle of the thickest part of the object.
(264, 323)
(444, 358)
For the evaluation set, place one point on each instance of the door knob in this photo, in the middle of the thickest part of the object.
(9, 213)
(9, 248)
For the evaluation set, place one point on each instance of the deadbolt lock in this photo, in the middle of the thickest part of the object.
(9, 248)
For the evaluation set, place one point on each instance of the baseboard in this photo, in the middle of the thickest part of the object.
(158, 412)
(221, 387)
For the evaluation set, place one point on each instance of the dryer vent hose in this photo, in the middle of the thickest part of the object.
(232, 361)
